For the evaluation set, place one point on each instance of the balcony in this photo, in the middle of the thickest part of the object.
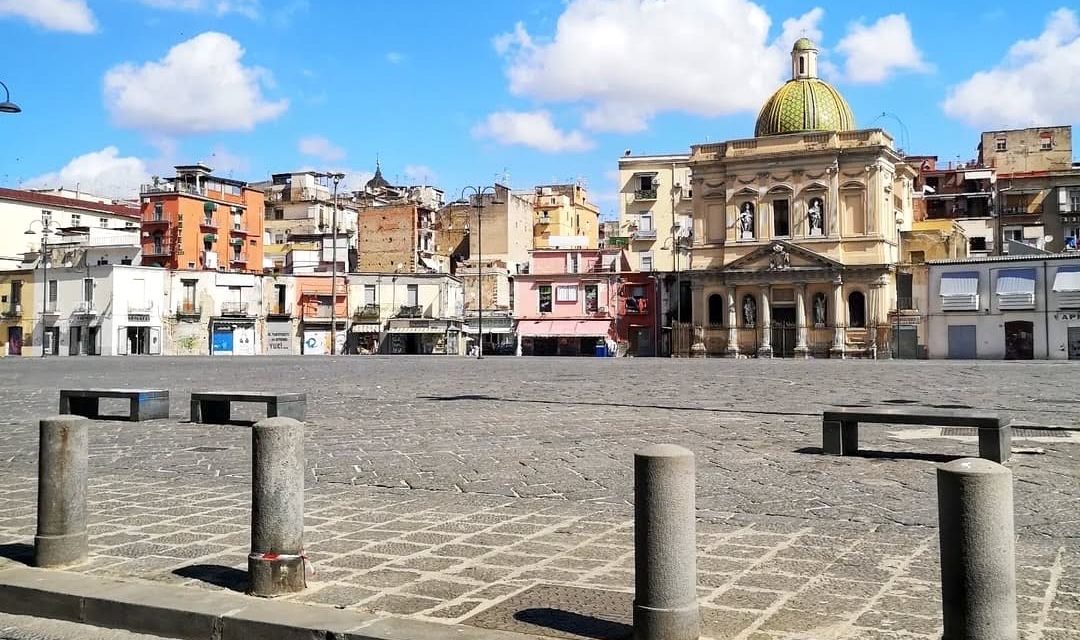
(13, 310)
(410, 311)
(172, 187)
(158, 251)
(189, 310)
(907, 304)
(643, 234)
(143, 306)
(208, 224)
(279, 311)
(238, 258)
(368, 313)
(239, 229)
(84, 308)
(234, 308)
(544, 219)
(645, 194)
(155, 219)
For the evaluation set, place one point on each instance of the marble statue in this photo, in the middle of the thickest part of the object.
(819, 310)
(749, 311)
(815, 217)
(746, 221)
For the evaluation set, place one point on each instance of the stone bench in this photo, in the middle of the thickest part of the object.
(840, 427)
(214, 407)
(146, 404)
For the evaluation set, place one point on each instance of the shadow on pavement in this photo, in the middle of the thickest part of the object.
(889, 455)
(575, 624)
(217, 575)
(18, 552)
(616, 404)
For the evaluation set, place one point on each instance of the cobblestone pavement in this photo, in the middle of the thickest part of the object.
(468, 491)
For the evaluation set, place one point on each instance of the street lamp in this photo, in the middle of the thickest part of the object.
(46, 229)
(337, 178)
(479, 193)
(7, 106)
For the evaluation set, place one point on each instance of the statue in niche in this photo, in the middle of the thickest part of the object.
(746, 221)
(749, 311)
(816, 217)
(780, 260)
(819, 310)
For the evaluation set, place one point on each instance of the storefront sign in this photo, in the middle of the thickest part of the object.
(279, 337)
(1067, 315)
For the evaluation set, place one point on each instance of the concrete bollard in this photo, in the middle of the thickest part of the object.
(276, 562)
(61, 539)
(978, 572)
(665, 551)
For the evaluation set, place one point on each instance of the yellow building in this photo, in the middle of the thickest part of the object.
(16, 311)
(797, 230)
(655, 210)
(564, 218)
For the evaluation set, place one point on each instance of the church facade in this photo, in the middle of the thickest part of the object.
(796, 231)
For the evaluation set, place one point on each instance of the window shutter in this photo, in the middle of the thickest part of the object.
(121, 341)
(1063, 198)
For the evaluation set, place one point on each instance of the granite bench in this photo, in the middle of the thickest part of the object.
(214, 407)
(840, 427)
(145, 404)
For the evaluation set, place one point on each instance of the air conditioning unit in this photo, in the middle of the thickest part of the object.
(18, 308)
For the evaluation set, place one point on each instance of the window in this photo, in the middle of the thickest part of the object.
(369, 294)
(52, 295)
(646, 261)
(1046, 142)
(188, 299)
(279, 238)
(412, 295)
(88, 290)
(716, 310)
(46, 216)
(977, 243)
(159, 244)
(1074, 201)
(645, 183)
(592, 298)
(103, 223)
(781, 218)
(545, 298)
(129, 225)
(566, 293)
(904, 289)
(16, 292)
(1000, 144)
(645, 222)
(573, 262)
(856, 303)
(159, 210)
(76, 220)
(918, 257)
(802, 65)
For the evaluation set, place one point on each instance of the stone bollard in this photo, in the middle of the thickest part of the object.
(62, 475)
(665, 547)
(276, 562)
(978, 573)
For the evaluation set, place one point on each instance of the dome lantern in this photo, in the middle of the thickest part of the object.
(805, 103)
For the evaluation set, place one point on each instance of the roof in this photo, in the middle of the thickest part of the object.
(1023, 258)
(30, 197)
(804, 44)
(804, 105)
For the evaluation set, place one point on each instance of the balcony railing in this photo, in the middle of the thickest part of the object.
(238, 228)
(208, 223)
(163, 250)
(84, 308)
(12, 311)
(238, 257)
(172, 187)
(144, 306)
(907, 304)
(410, 311)
(645, 194)
(279, 310)
(155, 218)
(188, 309)
(368, 312)
(234, 308)
(644, 234)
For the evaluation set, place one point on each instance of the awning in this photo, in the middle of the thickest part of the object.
(472, 328)
(429, 264)
(366, 328)
(1015, 281)
(960, 283)
(564, 328)
(1067, 279)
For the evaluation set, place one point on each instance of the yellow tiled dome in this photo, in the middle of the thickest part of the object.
(801, 105)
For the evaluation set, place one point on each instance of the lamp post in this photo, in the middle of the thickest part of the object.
(337, 178)
(7, 106)
(46, 229)
(478, 193)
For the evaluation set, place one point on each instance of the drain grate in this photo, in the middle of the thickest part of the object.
(207, 449)
(1016, 433)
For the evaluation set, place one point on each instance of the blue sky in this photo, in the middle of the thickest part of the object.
(464, 92)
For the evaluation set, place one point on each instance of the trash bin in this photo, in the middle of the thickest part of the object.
(601, 350)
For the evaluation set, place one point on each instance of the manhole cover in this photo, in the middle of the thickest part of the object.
(207, 449)
(562, 612)
(1016, 433)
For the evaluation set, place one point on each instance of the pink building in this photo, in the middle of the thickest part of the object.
(571, 300)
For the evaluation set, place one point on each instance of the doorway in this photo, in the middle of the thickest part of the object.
(783, 332)
(1074, 343)
(1019, 340)
(92, 342)
(962, 342)
(75, 338)
(15, 341)
(138, 341)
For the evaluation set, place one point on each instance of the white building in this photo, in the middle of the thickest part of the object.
(1014, 307)
(24, 211)
(99, 310)
(407, 313)
(214, 313)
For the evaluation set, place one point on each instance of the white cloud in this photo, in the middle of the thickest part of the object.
(55, 15)
(249, 8)
(876, 51)
(200, 85)
(419, 174)
(104, 173)
(321, 148)
(1038, 82)
(531, 129)
(395, 57)
(628, 60)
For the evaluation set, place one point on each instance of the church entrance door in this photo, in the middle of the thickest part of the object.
(783, 332)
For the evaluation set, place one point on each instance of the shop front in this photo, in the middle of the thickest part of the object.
(232, 337)
(279, 337)
(364, 338)
(564, 337)
(499, 339)
(316, 338)
(422, 336)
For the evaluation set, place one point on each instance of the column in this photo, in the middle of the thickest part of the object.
(832, 204)
(801, 350)
(697, 342)
(837, 350)
(732, 350)
(765, 322)
(873, 294)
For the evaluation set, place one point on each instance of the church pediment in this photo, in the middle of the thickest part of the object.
(779, 255)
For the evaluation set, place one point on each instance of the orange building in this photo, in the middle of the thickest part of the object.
(202, 222)
(321, 305)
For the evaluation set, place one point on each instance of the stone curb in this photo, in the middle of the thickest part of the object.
(196, 614)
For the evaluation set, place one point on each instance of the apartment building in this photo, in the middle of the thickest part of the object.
(300, 222)
(655, 211)
(565, 218)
